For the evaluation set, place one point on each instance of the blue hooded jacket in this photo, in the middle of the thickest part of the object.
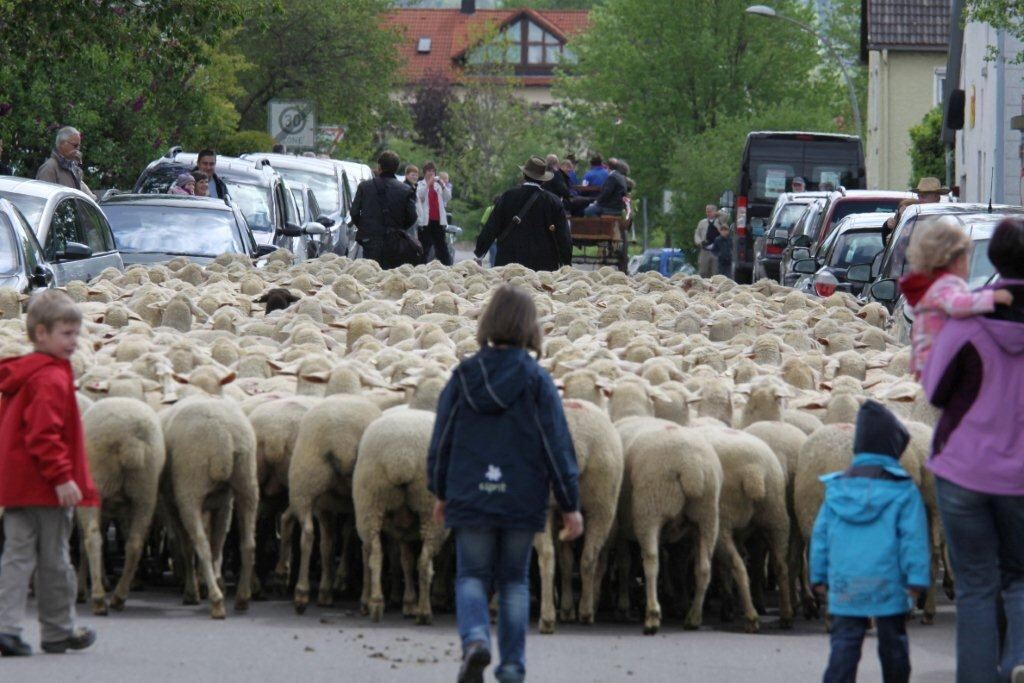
(870, 540)
(501, 444)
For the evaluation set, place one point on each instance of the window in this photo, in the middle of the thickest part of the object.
(64, 228)
(8, 248)
(423, 46)
(525, 44)
(97, 232)
(940, 86)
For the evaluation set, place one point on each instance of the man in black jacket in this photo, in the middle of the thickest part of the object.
(559, 183)
(611, 201)
(382, 205)
(529, 224)
(206, 161)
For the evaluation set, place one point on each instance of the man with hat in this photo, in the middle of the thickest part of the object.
(929, 190)
(529, 224)
(798, 184)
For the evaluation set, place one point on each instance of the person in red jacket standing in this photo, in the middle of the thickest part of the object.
(44, 474)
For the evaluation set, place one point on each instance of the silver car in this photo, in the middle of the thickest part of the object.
(23, 267)
(76, 237)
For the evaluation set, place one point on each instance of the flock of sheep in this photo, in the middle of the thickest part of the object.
(702, 412)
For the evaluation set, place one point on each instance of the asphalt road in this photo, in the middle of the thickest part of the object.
(156, 639)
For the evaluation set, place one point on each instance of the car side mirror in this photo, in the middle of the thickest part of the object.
(42, 277)
(74, 251)
(884, 290)
(807, 266)
(314, 229)
(325, 221)
(801, 241)
(800, 253)
(859, 273)
(292, 230)
(265, 250)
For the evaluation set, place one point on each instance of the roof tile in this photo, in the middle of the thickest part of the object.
(908, 24)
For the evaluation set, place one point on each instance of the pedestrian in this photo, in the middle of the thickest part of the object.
(870, 549)
(207, 163)
(597, 173)
(4, 168)
(202, 184)
(721, 247)
(44, 474)
(432, 197)
(184, 184)
(974, 374)
(891, 223)
(278, 148)
(528, 224)
(930, 190)
(703, 236)
(798, 184)
(64, 167)
(936, 287)
(384, 211)
(412, 176)
(611, 200)
(500, 446)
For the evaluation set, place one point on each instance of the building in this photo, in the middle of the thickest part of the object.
(989, 152)
(446, 43)
(906, 45)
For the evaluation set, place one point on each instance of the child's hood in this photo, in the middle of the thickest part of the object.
(15, 372)
(863, 499)
(494, 378)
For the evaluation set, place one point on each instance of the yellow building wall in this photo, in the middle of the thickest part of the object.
(901, 90)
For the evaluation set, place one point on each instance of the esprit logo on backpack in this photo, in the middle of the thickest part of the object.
(494, 484)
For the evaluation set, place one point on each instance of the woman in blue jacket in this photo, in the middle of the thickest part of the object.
(500, 445)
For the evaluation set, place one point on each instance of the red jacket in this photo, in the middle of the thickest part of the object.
(41, 440)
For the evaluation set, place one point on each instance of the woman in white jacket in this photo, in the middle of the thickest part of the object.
(432, 196)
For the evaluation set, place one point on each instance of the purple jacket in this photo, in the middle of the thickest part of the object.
(976, 374)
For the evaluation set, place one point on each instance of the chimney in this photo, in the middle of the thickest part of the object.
(468, 6)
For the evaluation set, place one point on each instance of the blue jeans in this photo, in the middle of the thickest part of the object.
(986, 545)
(848, 636)
(498, 558)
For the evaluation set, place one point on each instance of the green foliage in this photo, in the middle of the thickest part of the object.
(551, 4)
(1001, 14)
(125, 74)
(927, 153)
(708, 163)
(243, 141)
(335, 52)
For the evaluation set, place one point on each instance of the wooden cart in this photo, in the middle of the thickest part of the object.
(601, 240)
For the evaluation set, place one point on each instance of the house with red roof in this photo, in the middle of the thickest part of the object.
(447, 43)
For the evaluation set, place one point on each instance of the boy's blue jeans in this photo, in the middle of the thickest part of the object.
(985, 535)
(498, 558)
(847, 638)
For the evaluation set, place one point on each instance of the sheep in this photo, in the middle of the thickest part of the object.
(389, 484)
(600, 461)
(673, 479)
(319, 479)
(125, 447)
(211, 462)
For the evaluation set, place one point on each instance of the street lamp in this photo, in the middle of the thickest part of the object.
(765, 11)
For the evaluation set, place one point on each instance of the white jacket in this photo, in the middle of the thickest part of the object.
(444, 195)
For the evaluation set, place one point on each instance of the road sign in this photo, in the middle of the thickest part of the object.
(330, 136)
(292, 123)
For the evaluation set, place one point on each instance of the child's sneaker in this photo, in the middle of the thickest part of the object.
(79, 639)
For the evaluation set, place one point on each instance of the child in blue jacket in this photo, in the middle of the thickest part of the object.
(870, 548)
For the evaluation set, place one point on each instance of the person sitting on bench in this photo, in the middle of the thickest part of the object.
(613, 192)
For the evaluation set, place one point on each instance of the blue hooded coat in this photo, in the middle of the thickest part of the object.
(501, 444)
(870, 540)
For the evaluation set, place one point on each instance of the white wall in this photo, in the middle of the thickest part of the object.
(990, 155)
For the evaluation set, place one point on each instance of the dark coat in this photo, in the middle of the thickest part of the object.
(721, 247)
(613, 192)
(501, 444)
(540, 242)
(368, 213)
(222, 188)
(559, 186)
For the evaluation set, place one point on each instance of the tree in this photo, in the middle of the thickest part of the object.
(551, 4)
(1000, 14)
(653, 73)
(430, 109)
(334, 52)
(927, 153)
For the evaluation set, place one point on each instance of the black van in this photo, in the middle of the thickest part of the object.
(771, 159)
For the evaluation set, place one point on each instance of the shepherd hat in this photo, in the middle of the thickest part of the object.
(537, 169)
(928, 185)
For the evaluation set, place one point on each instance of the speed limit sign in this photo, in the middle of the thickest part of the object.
(292, 123)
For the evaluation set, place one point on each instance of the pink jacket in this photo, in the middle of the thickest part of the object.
(948, 297)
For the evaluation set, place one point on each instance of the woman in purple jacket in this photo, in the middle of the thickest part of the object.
(976, 375)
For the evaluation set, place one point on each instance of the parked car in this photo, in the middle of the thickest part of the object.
(151, 228)
(23, 266)
(770, 161)
(837, 206)
(770, 242)
(76, 237)
(803, 225)
(666, 261)
(857, 239)
(255, 187)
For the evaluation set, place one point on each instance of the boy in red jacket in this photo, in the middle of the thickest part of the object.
(44, 474)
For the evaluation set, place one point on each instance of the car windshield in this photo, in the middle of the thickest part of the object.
(981, 269)
(8, 247)
(158, 180)
(170, 229)
(255, 203)
(31, 207)
(324, 186)
(854, 248)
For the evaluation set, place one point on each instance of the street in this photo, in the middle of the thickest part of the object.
(157, 639)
